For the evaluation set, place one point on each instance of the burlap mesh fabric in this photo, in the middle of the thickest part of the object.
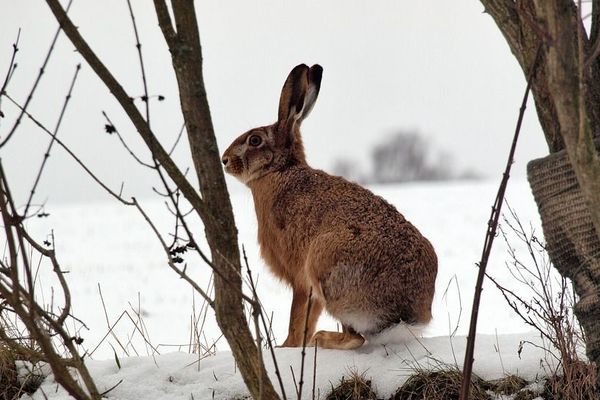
(572, 243)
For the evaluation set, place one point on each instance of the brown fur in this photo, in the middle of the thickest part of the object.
(366, 264)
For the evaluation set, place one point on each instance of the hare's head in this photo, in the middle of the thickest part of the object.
(272, 148)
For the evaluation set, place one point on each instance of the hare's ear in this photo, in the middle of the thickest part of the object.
(314, 85)
(299, 93)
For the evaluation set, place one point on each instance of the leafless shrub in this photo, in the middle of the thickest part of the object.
(544, 300)
(210, 205)
(39, 332)
(31, 329)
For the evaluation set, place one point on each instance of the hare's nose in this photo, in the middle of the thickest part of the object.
(225, 160)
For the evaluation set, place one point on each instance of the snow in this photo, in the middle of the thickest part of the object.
(109, 247)
(181, 376)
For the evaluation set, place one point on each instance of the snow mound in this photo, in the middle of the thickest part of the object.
(181, 376)
(400, 333)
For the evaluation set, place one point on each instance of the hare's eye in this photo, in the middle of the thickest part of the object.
(255, 140)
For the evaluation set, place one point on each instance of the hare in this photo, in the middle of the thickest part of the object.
(363, 262)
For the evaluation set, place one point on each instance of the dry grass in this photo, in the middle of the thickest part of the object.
(526, 394)
(9, 383)
(545, 300)
(439, 385)
(13, 386)
(354, 387)
(578, 383)
(508, 385)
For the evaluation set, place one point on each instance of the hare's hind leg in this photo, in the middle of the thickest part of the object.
(346, 340)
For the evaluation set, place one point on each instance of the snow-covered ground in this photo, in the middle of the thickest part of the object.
(180, 376)
(109, 247)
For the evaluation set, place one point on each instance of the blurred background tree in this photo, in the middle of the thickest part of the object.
(404, 156)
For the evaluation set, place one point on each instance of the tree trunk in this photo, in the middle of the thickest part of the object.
(214, 207)
(566, 184)
(571, 240)
(221, 233)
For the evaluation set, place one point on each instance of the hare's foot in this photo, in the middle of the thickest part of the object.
(338, 340)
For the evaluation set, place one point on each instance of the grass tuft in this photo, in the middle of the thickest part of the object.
(508, 385)
(355, 387)
(442, 384)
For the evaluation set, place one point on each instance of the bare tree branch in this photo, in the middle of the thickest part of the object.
(138, 46)
(66, 148)
(113, 129)
(35, 84)
(11, 68)
(54, 133)
(132, 112)
(164, 21)
(42, 325)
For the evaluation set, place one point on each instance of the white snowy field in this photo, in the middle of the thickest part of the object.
(109, 246)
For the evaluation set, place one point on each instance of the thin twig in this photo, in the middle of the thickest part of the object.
(177, 139)
(132, 112)
(192, 240)
(308, 308)
(138, 46)
(170, 262)
(113, 129)
(103, 394)
(64, 146)
(256, 310)
(54, 133)
(42, 325)
(489, 239)
(35, 84)
(267, 331)
(11, 68)
(314, 371)
(294, 380)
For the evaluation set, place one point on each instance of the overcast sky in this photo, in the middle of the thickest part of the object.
(439, 67)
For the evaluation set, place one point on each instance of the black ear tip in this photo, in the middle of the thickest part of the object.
(298, 69)
(316, 73)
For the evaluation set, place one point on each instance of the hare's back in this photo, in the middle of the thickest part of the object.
(314, 200)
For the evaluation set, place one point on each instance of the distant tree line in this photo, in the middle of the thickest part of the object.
(403, 157)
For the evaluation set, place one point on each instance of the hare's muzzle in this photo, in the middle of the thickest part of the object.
(230, 163)
(226, 160)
